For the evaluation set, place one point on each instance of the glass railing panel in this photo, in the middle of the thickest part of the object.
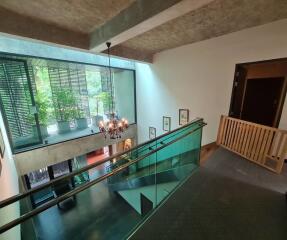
(99, 212)
(175, 162)
(164, 157)
(40, 197)
(148, 163)
(183, 144)
(127, 187)
(147, 148)
(143, 168)
(107, 210)
(170, 137)
(137, 185)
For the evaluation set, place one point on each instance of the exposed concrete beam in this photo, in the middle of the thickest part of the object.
(129, 53)
(140, 17)
(19, 25)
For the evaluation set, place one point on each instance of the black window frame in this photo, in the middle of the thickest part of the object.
(33, 146)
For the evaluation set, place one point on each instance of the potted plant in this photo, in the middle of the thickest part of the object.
(42, 111)
(42, 103)
(65, 109)
(81, 119)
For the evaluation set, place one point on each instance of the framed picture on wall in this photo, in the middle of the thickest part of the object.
(183, 116)
(2, 145)
(152, 132)
(166, 122)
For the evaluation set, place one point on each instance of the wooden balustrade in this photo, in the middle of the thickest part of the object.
(260, 144)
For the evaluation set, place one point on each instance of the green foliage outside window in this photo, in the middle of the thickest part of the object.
(99, 101)
(80, 113)
(43, 97)
(66, 108)
(106, 99)
(42, 103)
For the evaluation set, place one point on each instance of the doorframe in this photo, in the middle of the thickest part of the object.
(281, 103)
(235, 83)
(243, 96)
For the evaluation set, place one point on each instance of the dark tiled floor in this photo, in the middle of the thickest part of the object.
(98, 213)
(229, 198)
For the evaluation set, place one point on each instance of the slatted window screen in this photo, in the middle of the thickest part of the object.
(73, 80)
(15, 101)
(16, 98)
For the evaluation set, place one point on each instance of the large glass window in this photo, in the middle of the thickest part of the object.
(47, 101)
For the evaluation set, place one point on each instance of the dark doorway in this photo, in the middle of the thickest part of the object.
(259, 91)
(262, 96)
(44, 175)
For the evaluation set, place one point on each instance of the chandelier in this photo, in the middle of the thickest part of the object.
(114, 126)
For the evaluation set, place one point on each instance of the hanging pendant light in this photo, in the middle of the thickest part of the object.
(114, 126)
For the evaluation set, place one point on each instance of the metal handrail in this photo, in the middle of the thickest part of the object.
(150, 147)
(19, 196)
(83, 187)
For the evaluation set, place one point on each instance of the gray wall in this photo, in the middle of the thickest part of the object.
(11, 44)
(46, 156)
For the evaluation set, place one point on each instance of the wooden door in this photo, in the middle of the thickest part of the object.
(262, 100)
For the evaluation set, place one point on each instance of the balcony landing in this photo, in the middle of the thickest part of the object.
(227, 198)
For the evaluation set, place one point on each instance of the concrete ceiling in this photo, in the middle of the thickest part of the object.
(137, 28)
(76, 15)
(212, 20)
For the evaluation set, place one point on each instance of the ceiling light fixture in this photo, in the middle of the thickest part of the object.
(114, 126)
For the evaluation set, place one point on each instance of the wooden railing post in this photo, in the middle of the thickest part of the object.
(282, 157)
(220, 130)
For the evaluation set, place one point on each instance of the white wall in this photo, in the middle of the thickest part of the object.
(8, 187)
(199, 76)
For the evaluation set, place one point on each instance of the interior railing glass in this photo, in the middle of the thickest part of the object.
(127, 189)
